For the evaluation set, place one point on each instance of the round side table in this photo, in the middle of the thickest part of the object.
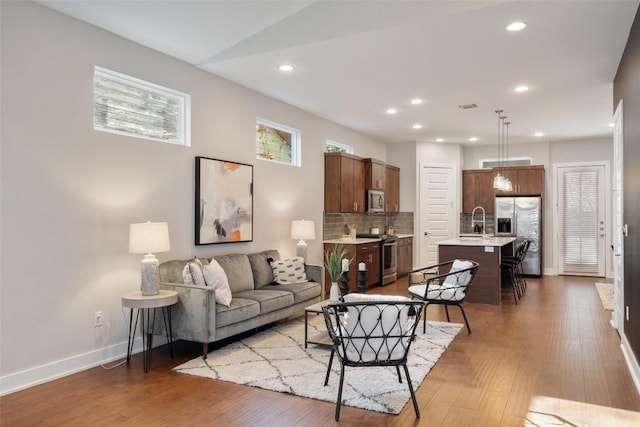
(148, 305)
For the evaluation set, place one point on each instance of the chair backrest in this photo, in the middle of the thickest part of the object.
(372, 332)
(454, 284)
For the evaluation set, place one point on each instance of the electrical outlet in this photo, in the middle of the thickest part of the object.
(97, 319)
(627, 312)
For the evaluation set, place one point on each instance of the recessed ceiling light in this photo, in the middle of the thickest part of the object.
(611, 125)
(439, 140)
(473, 139)
(522, 88)
(286, 67)
(538, 134)
(391, 111)
(516, 26)
(417, 126)
(416, 101)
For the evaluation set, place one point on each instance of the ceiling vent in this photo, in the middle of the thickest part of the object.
(467, 106)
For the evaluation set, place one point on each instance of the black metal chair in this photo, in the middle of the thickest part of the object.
(372, 333)
(512, 266)
(432, 286)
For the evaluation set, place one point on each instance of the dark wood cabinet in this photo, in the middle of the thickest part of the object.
(405, 256)
(344, 183)
(392, 189)
(477, 190)
(369, 253)
(477, 185)
(375, 174)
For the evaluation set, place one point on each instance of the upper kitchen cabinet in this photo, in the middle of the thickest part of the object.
(374, 174)
(526, 180)
(392, 188)
(344, 183)
(477, 190)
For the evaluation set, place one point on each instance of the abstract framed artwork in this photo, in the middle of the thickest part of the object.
(223, 202)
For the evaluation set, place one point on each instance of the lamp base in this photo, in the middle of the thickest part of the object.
(301, 249)
(150, 275)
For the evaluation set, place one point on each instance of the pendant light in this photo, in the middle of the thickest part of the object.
(497, 179)
(507, 184)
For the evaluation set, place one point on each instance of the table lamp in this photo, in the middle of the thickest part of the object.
(147, 238)
(301, 229)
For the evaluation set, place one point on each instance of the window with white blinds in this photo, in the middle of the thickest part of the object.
(580, 221)
(129, 106)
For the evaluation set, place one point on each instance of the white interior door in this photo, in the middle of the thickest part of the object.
(618, 245)
(438, 210)
(581, 220)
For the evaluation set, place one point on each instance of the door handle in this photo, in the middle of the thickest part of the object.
(426, 234)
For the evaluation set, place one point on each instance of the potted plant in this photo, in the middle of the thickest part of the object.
(333, 263)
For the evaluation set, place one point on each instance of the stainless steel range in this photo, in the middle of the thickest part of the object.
(388, 258)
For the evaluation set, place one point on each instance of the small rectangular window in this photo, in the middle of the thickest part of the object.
(129, 106)
(511, 161)
(277, 143)
(333, 147)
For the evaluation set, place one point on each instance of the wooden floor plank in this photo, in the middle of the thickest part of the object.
(551, 357)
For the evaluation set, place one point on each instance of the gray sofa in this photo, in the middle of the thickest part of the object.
(256, 300)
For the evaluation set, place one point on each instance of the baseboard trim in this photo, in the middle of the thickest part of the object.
(61, 368)
(632, 363)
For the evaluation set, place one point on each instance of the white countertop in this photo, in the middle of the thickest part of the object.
(360, 240)
(478, 241)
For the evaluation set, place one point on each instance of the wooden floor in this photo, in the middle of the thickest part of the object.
(553, 359)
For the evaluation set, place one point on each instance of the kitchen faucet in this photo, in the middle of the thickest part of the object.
(484, 222)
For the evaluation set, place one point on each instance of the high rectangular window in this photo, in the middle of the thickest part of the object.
(278, 143)
(129, 106)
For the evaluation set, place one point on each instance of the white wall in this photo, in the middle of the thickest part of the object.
(69, 193)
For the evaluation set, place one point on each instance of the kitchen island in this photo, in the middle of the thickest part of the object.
(488, 252)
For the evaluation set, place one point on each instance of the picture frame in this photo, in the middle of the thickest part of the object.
(223, 201)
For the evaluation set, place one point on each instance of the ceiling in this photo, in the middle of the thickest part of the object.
(355, 59)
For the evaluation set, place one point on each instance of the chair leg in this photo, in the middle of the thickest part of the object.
(424, 318)
(413, 395)
(446, 310)
(399, 376)
(326, 378)
(466, 322)
(339, 401)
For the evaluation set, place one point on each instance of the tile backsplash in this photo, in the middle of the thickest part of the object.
(467, 227)
(336, 224)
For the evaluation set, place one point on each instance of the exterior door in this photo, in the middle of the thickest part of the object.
(581, 219)
(438, 210)
(617, 236)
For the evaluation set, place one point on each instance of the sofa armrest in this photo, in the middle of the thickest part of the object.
(315, 273)
(194, 314)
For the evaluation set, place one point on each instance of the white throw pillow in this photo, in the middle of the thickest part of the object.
(289, 271)
(192, 273)
(368, 322)
(215, 277)
(457, 280)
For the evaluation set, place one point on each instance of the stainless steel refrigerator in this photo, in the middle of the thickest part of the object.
(521, 217)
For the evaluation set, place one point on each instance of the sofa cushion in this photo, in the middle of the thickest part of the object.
(238, 271)
(289, 271)
(171, 271)
(262, 273)
(215, 277)
(192, 274)
(269, 300)
(301, 291)
(240, 309)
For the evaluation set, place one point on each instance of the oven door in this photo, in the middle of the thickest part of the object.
(389, 258)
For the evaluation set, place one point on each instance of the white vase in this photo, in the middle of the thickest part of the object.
(334, 292)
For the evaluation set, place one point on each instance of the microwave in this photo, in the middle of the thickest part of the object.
(375, 201)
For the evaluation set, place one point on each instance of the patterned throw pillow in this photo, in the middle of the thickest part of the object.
(215, 277)
(192, 273)
(289, 271)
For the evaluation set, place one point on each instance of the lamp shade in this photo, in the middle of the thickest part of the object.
(149, 237)
(301, 229)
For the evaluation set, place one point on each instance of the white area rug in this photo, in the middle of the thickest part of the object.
(276, 359)
(605, 290)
